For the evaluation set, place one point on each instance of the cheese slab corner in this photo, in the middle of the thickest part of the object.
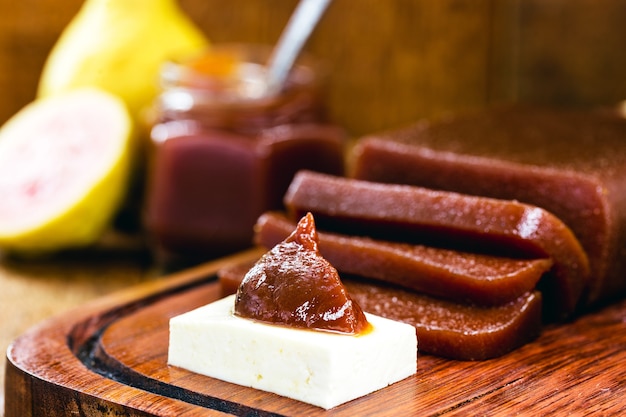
(320, 368)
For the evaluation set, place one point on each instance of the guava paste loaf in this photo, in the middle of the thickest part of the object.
(444, 328)
(476, 224)
(449, 274)
(569, 162)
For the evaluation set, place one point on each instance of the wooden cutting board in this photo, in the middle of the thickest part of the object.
(110, 358)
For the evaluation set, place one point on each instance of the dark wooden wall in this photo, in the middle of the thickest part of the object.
(392, 61)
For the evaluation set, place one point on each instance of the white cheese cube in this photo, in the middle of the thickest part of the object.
(320, 368)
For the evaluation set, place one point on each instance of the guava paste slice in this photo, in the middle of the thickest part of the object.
(444, 328)
(414, 214)
(449, 274)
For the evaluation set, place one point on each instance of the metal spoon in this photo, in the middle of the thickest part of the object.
(292, 40)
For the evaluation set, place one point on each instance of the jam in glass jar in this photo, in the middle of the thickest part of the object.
(223, 150)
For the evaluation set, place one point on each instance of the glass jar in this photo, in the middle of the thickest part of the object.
(223, 150)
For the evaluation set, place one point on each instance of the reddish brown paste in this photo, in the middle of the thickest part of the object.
(444, 328)
(416, 215)
(453, 275)
(571, 163)
(293, 285)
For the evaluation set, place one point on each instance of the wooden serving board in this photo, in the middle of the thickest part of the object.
(110, 358)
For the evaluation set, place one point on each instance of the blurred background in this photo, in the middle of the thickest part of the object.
(392, 61)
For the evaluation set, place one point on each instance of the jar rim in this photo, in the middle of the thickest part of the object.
(245, 84)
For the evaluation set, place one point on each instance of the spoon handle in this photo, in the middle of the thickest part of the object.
(292, 40)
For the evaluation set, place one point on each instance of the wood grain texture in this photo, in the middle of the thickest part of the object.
(50, 380)
(34, 289)
(571, 369)
(391, 61)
